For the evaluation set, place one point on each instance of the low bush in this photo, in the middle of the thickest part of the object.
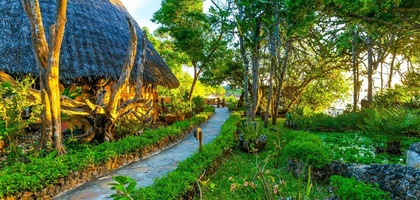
(393, 123)
(17, 112)
(42, 172)
(308, 149)
(350, 188)
(198, 104)
(324, 122)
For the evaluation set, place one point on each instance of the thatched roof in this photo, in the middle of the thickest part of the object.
(94, 45)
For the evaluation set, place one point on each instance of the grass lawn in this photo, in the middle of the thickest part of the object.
(265, 175)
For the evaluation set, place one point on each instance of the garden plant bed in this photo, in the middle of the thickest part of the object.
(183, 180)
(101, 162)
(254, 176)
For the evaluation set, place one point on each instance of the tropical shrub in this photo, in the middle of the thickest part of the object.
(350, 188)
(198, 104)
(308, 149)
(252, 136)
(17, 112)
(397, 96)
(393, 123)
(127, 127)
(231, 100)
(325, 122)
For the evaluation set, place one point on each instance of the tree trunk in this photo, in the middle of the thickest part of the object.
(246, 61)
(140, 69)
(391, 70)
(106, 123)
(370, 71)
(255, 85)
(196, 74)
(241, 100)
(272, 75)
(355, 74)
(281, 80)
(47, 58)
(46, 130)
(255, 69)
(53, 88)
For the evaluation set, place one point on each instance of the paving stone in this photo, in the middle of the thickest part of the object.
(145, 170)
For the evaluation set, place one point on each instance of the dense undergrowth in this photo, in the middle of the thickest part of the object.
(43, 171)
(266, 175)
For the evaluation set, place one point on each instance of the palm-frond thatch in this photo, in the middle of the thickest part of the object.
(94, 44)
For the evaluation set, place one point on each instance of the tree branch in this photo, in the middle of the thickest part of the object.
(125, 72)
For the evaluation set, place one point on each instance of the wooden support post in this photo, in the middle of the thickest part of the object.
(218, 102)
(199, 137)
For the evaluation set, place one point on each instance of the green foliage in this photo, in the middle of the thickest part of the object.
(44, 171)
(72, 94)
(14, 102)
(251, 130)
(178, 106)
(324, 91)
(397, 96)
(128, 127)
(392, 122)
(254, 176)
(324, 122)
(189, 171)
(198, 104)
(123, 193)
(350, 188)
(231, 100)
(17, 112)
(308, 149)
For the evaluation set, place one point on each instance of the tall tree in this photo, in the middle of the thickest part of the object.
(297, 19)
(99, 118)
(194, 33)
(239, 18)
(273, 55)
(47, 55)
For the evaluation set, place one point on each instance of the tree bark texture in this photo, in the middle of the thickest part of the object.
(273, 56)
(47, 58)
(355, 74)
(281, 79)
(244, 58)
(272, 75)
(255, 69)
(370, 71)
(140, 69)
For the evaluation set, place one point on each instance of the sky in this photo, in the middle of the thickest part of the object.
(142, 11)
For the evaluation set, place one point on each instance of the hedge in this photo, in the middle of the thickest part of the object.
(40, 173)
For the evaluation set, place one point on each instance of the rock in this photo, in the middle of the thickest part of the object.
(413, 156)
(255, 146)
(400, 181)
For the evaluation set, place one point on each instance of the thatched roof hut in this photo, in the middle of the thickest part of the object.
(94, 44)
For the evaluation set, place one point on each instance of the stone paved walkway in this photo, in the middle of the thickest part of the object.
(154, 166)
